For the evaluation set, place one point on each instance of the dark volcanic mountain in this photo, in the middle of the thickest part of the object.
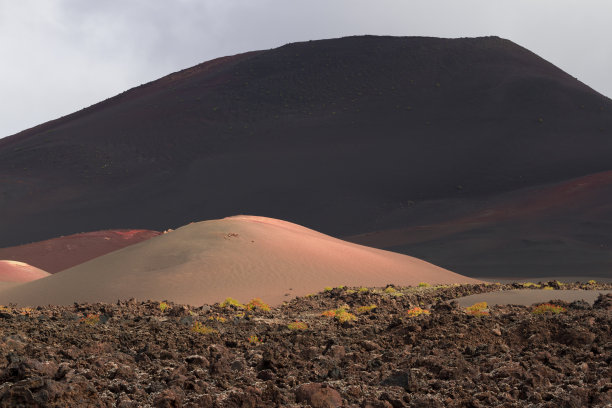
(442, 141)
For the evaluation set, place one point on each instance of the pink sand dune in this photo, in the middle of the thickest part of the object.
(57, 254)
(15, 271)
(241, 257)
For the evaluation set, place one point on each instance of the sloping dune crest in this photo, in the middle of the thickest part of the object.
(15, 271)
(242, 257)
(57, 254)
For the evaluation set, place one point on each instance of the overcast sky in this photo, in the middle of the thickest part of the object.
(58, 56)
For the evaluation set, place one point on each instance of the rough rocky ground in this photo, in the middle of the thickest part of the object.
(133, 354)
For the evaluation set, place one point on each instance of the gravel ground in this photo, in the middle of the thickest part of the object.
(134, 354)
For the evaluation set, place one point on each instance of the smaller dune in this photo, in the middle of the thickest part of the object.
(20, 272)
(58, 254)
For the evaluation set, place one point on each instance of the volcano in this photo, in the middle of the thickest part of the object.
(474, 154)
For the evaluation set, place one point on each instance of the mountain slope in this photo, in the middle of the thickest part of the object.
(346, 136)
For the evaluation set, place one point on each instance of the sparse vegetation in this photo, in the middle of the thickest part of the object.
(202, 329)
(340, 314)
(297, 326)
(478, 309)
(163, 306)
(424, 285)
(231, 302)
(255, 340)
(91, 319)
(218, 318)
(258, 304)
(365, 309)
(548, 308)
(416, 311)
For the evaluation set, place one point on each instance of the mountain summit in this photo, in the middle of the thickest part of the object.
(409, 140)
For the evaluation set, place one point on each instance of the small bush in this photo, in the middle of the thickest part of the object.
(340, 314)
(592, 282)
(202, 329)
(424, 285)
(91, 319)
(297, 326)
(220, 319)
(478, 309)
(548, 288)
(416, 311)
(548, 308)
(231, 302)
(363, 290)
(365, 309)
(163, 306)
(25, 311)
(257, 303)
(390, 289)
(255, 340)
(530, 285)
(327, 289)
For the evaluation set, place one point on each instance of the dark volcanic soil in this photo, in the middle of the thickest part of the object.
(345, 136)
(134, 354)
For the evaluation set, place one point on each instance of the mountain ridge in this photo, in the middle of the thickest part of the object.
(346, 136)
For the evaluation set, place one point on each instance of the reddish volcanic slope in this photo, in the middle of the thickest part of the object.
(14, 271)
(561, 229)
(61, 253)
(347, 136)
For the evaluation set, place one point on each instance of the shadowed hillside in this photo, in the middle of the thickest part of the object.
(346, 136)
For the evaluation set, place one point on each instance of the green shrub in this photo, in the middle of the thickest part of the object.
(255, 340)
(365, 309)
(297, 326)
(548, 308)
(202, 329)
(478, 309)
(91, 319)
(340, 314)
(229, 302)
(416, 311)
(257, 303)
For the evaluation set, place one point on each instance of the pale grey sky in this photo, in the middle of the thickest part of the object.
(58, 56)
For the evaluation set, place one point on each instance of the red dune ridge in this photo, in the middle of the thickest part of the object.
(15, 271)
(61, 253)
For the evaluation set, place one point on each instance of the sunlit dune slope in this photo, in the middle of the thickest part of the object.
(14, 271)
(242, 257)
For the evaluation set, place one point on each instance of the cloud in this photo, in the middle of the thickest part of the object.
(59, 56)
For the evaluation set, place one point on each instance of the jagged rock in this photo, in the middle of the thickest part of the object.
(318, 396)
